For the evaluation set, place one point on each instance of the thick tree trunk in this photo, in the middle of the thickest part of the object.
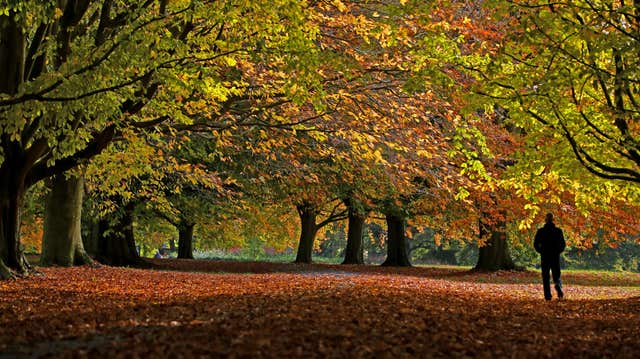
(12, 169)
(494, 255)
(62, 241)
(397, 248)
(12, 260)
(12, 54)
(116, 244)
(308, 230)
(12, 189)
(355, 232)
(185, 240)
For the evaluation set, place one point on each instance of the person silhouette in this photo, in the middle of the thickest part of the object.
(549, 242)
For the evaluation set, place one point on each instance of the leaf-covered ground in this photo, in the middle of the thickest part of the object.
(234, 309)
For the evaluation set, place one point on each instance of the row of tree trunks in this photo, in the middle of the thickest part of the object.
(62, 244)
(397, 248)
(62, 241)
(111, 241)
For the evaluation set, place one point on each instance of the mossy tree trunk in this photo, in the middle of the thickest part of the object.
(62, 241)
(397, 246)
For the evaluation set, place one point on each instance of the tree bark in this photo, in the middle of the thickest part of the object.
(12, 190)
(62, 241)
(90, 242)
(355, 232)
(12, 260)
(494, 255)
(12, 54)
(397, 248)
(13, 166)
(116, 243)
(308, 230)
(185, 240)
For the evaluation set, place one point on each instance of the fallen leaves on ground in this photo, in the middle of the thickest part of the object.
(252, 309)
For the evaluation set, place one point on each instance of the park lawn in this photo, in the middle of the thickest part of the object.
(186, 308)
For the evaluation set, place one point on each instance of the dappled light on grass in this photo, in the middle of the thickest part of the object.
(284, 310)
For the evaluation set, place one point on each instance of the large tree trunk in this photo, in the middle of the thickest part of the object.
(12, 189)
(13, 167)
(12, 260)
(494, 255)
(117, 246)
(62, 241)
(397, 248)
(355, 232)
(185, 240)
(12, 54)
(308, 230)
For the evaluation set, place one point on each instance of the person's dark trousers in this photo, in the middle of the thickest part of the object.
(553, 265)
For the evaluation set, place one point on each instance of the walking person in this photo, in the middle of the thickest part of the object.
(549, 242)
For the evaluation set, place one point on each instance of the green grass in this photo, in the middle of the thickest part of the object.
(242, 257)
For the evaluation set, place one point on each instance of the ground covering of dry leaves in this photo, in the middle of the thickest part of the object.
(233, 309)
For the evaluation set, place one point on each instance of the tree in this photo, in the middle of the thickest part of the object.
(185, 240)
(398, 87)
(356, 216)
(62, 241)
(397, 246)
(116, 241)
(494, 253)
(580, 85)
(566, 76)
(110, 67)
(309, 227)
(384, 108)
(50, 121)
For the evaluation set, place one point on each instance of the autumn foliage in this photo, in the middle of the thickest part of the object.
(283, 310)
(246, 123)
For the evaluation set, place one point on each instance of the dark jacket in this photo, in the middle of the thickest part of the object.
(549, 241)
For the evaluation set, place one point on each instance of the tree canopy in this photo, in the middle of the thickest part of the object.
(443, 113)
